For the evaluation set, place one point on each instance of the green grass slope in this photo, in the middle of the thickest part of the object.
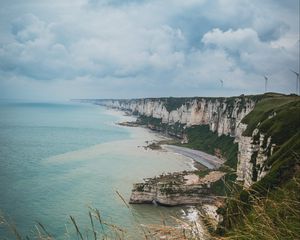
(270, 208)
(286, 115)
(201, 138)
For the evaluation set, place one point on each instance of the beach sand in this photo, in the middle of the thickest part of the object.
(207, 160)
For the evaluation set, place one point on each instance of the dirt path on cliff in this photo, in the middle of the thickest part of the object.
(207, 160)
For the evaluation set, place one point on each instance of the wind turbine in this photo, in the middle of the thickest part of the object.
(222, 82)
(297, 81)
(266, 83)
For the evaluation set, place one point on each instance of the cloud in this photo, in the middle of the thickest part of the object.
(29, 28)
(98, 3)
(146, 48)
(238, 40)
(123, 50)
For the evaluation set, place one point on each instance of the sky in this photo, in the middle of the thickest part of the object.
(64, 49)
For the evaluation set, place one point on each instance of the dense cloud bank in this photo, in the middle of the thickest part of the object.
(111, 48)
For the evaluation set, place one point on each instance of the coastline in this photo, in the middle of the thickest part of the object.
(207, 160)
(150, 137)
(200, 160)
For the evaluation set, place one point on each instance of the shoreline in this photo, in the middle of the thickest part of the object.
(200, 159)
(125, 118)
(210, 161)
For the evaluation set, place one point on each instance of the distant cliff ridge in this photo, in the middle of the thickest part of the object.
(223, 115)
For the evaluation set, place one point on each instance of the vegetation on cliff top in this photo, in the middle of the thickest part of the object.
(273, 114)
(173, 103)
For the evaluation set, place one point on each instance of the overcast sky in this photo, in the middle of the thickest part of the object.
(56, 50)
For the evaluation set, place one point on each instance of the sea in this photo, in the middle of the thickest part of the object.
(67, 159)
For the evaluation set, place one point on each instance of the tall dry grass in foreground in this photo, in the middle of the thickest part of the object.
(270, 217)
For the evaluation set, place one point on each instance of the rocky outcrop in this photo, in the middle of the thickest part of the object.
(175, 189)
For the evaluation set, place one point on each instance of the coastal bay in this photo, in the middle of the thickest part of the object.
(75, 161)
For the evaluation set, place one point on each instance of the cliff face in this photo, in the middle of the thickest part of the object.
(252, 154)
(223, 115)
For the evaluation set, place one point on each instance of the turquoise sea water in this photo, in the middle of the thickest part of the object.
(56, 159)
